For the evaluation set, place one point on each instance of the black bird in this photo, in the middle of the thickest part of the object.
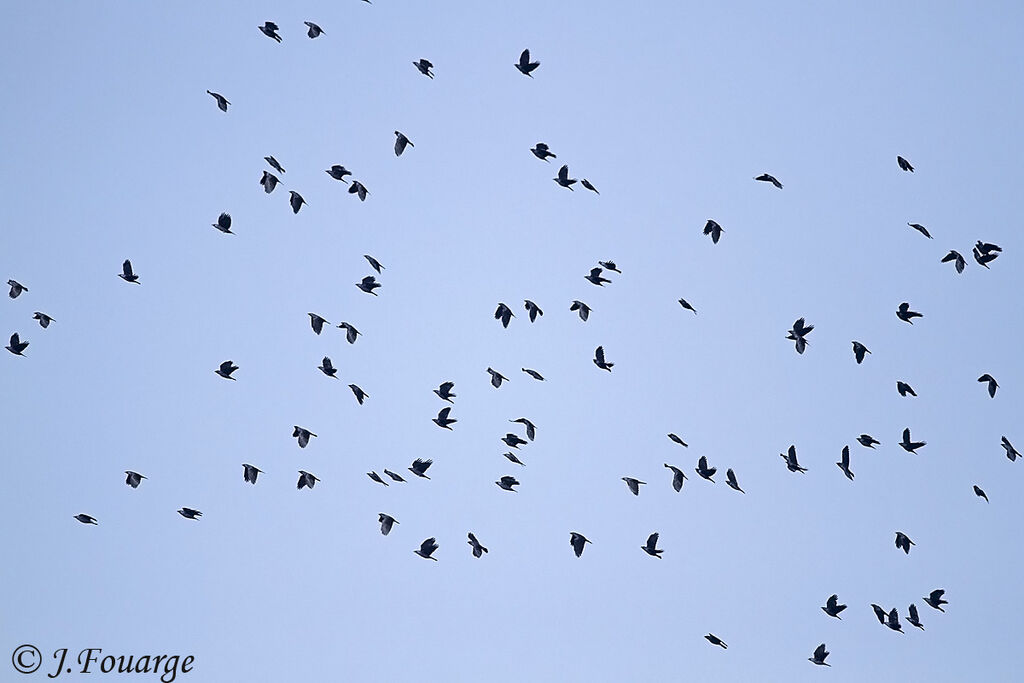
(905, 314)
(424, 67)
(274, 164)
(302, 434)
(610, 265)
(956, 258)
(525, 66)
(401, 142)
(127, 274)
(17, 346)
(985, 253)
(478, 549)
(189, 513)
(914, 619)
(676, 439)
(533, 309)
(419, 467)
(531, 429)
(16, 288)
(314, 30)
(904, 164)
(350, 332)
(992, 384)
(677, 477)
(504, 314)
(633, 484)
(427, 549)
(513, 440)
(904, 388)
(507, 483)
(44, 320)
(374, 263)
(534, 374)
(86, 519)
(921, 229)
(445, 391)
(578, 541)
(790, 457)
(880, 613)
(396, 477)
(222, 102)
(908, 445)
(714, 229)
(442, 420)
(868, 441)
(979, 493)
(686, 304)
(730, 479)
(766, 178)
(858, 351)
(250, 472)
(703, 470)
(338, 172)
(223, 223)
(306, 479)
(589, 185)
(357, 188)
(359, 393)
(893, 621)
(1011, 452)
(903, 542)
(595, 277)
(496, 378)
(296, 200)
(317, 322)
(820, 653)
(935, 600)
(386, 522)
(584, 310)
(327, 367)
(798, 334)
(133, 479)
(542, 151)
(270, 30)
(599, 359)
(715, 640)
(512, 458)
(844, 463)
(563, 178)
(225, 369)
(368, 284)
(650, 547)
(987, 247)
(269, 181)
(832, 607)
(376, 477)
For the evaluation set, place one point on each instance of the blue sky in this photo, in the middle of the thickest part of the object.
(114, 150)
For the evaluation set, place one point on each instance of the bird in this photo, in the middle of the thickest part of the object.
(715, 640)
(980, 493)
(533, 309)
(368, 284)
(858, 351)
(935, 600)
(589, 185)
(86, 519)
(306, 479)
(578, 541)
(269, 181)
(844, 463)
(223, 223)
(359, 393)
(904, 164)
(222, 102)
(357, 188)
(445, 391)
(610, 265)
(394, 476)
(386, 522)
(338, 172)
(507, 482)
(534, 374)
(189, 513)
(314, 30)
(832, 607)
(921, 229)
(225, 369)
(880, 613)
(531, 429)
(908, 445)
(542, 151)
(496, 378)
(376, 477)
(424, 67)
(401, 142)
(599, 359)
(478, 549)
(350, 332)
(650, 547)
(504, 314)
(903, 542)
(1011, 452)
(582, 308)
(820, 653)
(868, 441)
(958, 260)
(677, 477)
(905, 314)
(250, 472)
(419, 467)
(714, 229)
(686, 304)
(767, 178)
(798, 334)
(317, 322)
(17, 347)
(512, 458)
(675, 438)
(563, 178)
(127, 274)
(374, 263)
(703, 470)
(16, 289)
(270, 29)
(893, 621)
(905, 388)
(914, 619)
(44, 320)
(302, 434)
(133, 479)
(296, 200)
(327, 367)
(985, 253)
(524, 65)
(790, 457)
(427, 549)
(633, 484)
(274, 164)
(730, 479)
(992, 384)
(442, 420)
(513, 440)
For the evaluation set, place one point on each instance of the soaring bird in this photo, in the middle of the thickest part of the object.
(274, 164)
(893, 621)
(424, 67)
(359, 393)
(980, 493)
(504, 314)
(306, 480)
(338, 172)
(269, 181)
(17, 347)
(442, 420)
(677, 477)
(904, 164)
(542, 151)
(868, 441)
(903, 542)
(223, 223)
(935, 600)
(651, 546)
(703, 470)
(327, 367)
(832, 607)
(86, 519)
(610, 265)
(599, 359)
(958, 260)
(686, 304)
(44, 320)
(368, 284)
(533, 309)
(675, 438)
(589, 185)
(905, 314)
(225, 369)
(445, 391)
(350, 332)
(767, 178)
(296, 200)
(394, 476)
(914, 619)
(908, 445)
(992, 384)
(386, 522)
(798, 334)
(427, 549)
(16, 289)
(222, 102)
(578, 541)
(133, 479)
(507, 482)
(921, 229)
(1011, 452)
(581, 308)
(534, 374)
(844, 463)
(189, 513)
(790, 457)
(513, 440)
(880, 613)
(270, 29)
(633, 484)
(905, 388)
(357, 188)
(127, 274)
(858, 351)
(419, 467)
(820, 653)
(531, 429)
(524, 65)
(374, 263)
(376, 477)
(512, 458)
(714, 229)
(478, 548)
(314, 30)
(595, 277)
(317, 322)
(563, 178)
(303, 435)
(250, 472)
(715, 640)
(730, 479)
(496, 378)
(401, 142)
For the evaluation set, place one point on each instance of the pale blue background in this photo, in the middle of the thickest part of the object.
(112, 149)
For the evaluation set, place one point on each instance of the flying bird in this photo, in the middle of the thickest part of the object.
(359, 393)
(133, 479)
(868, 441)
(478, 549)
(686, 304)
(44, 320)
(730, 479)
(302, 434)
(350, 332)
(904, 164)
(427, 549)
(368, 284)
(424, 67)
(223, 223)
(442, 420)
(980, 493)
(296, 200)
(958, 261)
(314, 30)
(578, 541)
(401, 142)
(703, 470)
(985, 253)
(531, 429)
(274, 164)
(599, 359)
(674, 438)
(563, 178)
(633, 484)
(396, 477)
(534, 374)
(908, 445)
(992, 384)
(504, 314)
(904, 388)
(270, 29)
(338, 172)
(327, 367)
(189, 513)
(542, 151)
(832, 607)
(512, 458)
(677, 477)
(507, 483)
(820, 654)
(798, 334)
(225, 369)
(386, 522)
(905, 314)
(610, 265)
(533, 309)
(935, 600)
(127, 274)
(269, 181)
(525, 66)
(16, 289)
(222, 102)
(1011, 452)
(317, 323)
(893, 621)
(589, 185)
(357, 188)
(790, 457)
(714, 229)
(86, 519)
(419, 467)
(376, 477)
(496, 378)
(858, 351)
(914, 619)
(306, 480)
(374, 263)
(513, 440)
(921, 229)
(17, 347)
(844, 463)
(903, 542)
(767, 178)
(582, 308)
(445, 391)
(715, 640)
(880, 613)
(250, 472)
(650, 547)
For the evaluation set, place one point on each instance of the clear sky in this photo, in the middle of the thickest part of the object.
(113, 150)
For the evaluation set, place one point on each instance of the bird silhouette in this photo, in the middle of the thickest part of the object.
(867, 440)
(904, 388)
(767, 178)
(376, 477)
(1011, 452)
(314, 30)
(223, 223)
(338, 172)
(832, 607)
(524, 65)
(17, 346)
(269, 181)
(303, 435)
(478, 548)
(394, 476)
(507, 482)
(650, 547)
(675, 439)
(790, 457)
(189, 513)
(820, 653)
(327, 367)
(427, 548)
(730, 479)
(704, 471)
(595, 277)
(127, 274)
(980, 493)
(908, 445)
(133, 479)
(714, 229)
(274, 164)
(513, 440)
(531, 429)
(904, 164)
(893, 621)
(401, 142)
(419, 467)
(250, 472)
(496, 378)
(442, 420)
(534, 374)
(542, 151)
(16, 289)
(504, 314)
(992, 384)
(905, 314)
(368, 284)
(86, 519)
(270, 29)
(921, 229)
(374, 263)
(445, 391)
(599, 359)
(533, 309)
(589, 185)
(358, 393)
(578, 541)
(317, 322)
(633, 485)
(512, 458)
(958, 260)
(798, 334)
(715, 640)
(44, 320)
(935, 600)
(225, 369)
(357, 188)
(296, 200)
(914, 619)
(222, 102)
(903, 542)
(677, 477)
(686, 304)
(424, 67)
(582, 309)
(563, 178)
(880, 613)
(306, 480)
(859, 350)
(844, 463)
(350, 332)
(386, 522)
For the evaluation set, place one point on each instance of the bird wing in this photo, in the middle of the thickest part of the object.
(652, 540)
(442, 415)
(563, 173)
(524, 58)
(599, 354)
